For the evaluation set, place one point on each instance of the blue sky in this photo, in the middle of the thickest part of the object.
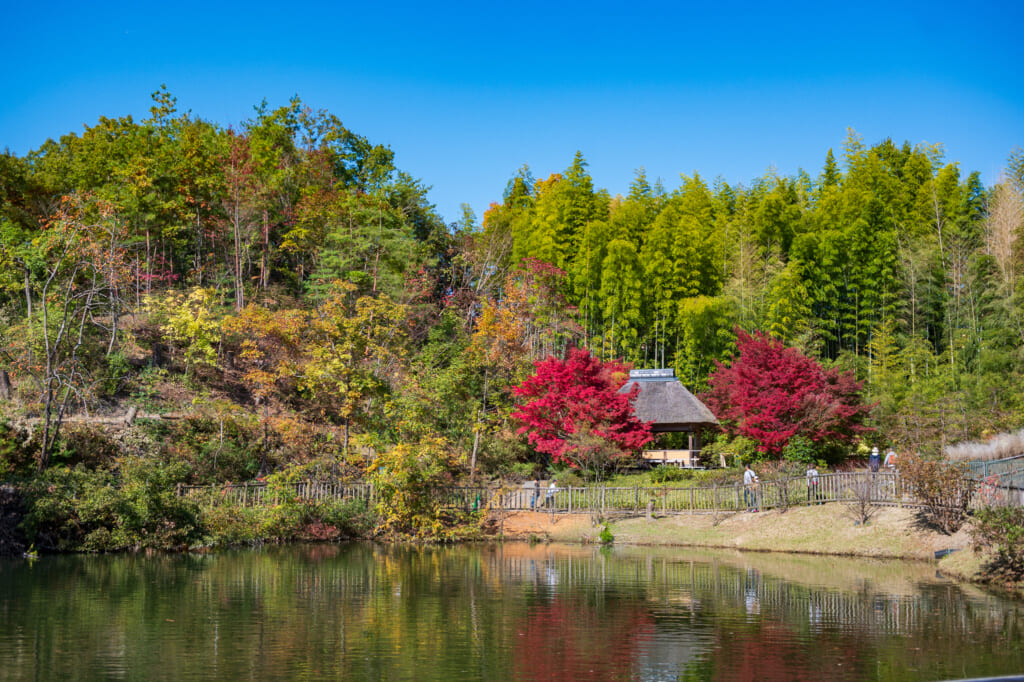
(466, 93)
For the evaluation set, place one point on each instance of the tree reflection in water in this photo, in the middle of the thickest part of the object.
(498, 612)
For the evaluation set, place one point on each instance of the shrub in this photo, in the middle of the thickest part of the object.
(15, 459)
(524, 470)
(570, 479)
(116, 375)
(800, 449)
(231, 524)
(860, 500)
(405, 478)
(667, 474)
(606, 536)
(740, 448)
(132, 506)
(941, 487)
(1001, 529)
(718, 477)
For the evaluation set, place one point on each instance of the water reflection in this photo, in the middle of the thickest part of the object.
(366, 611)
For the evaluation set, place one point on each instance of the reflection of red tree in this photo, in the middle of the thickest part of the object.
(567, 639)
(776, 652)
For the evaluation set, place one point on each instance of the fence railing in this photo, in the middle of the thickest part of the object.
(1006, 467)
(882, 488)
(258, 493)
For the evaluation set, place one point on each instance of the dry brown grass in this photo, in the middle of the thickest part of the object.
(998, 447)
(825, 529)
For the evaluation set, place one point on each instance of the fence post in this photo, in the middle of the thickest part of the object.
(570, 499)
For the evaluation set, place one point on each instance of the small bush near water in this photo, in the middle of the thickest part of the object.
(942, 487)
(1001, 529)
(134, 505)
(226, 525)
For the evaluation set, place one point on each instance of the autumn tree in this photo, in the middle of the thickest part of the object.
(570, 409)
(76, 304)
(352, 346)
(771, 394)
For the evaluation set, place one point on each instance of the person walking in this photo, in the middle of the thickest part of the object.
(874, 460)
(549, 499)
(812, 484)
(750, 485)
(890, 459)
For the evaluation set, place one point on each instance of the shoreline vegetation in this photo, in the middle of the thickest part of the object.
(832, 529)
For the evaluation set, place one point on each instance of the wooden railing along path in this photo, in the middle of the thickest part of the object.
(258, 493)
(878, 488)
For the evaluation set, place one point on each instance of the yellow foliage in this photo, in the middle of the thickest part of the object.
(189, 322)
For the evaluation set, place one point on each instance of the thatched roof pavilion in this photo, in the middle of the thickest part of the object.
(666, 403)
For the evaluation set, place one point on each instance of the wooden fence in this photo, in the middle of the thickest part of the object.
(258, 493)
(848, 487)
(881, 488)
(877, 488)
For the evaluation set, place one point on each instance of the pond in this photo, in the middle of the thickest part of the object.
(492, 612)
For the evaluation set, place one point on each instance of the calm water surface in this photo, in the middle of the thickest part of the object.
(365, 611)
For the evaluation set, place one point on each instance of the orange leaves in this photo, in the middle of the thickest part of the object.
(530, 321)
(269, 342)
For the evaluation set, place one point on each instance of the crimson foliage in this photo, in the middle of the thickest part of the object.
(771, 393)
(571, 410)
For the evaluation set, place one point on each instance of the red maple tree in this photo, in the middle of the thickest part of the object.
(771, 393)
(572, 412)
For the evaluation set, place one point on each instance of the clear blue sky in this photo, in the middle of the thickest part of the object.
(466, 93)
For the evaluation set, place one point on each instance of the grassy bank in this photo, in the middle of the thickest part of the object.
(892, 533)
(827, 529)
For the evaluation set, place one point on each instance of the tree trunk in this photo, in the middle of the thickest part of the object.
(476, 435)
(5, 385)
(239, 301)
(265, 259)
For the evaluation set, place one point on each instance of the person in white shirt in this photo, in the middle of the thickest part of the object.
(750, 484)
(812, 484)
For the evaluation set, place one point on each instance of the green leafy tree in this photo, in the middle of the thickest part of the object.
(352, 347)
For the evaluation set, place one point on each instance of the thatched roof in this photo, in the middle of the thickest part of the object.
(666, 403)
